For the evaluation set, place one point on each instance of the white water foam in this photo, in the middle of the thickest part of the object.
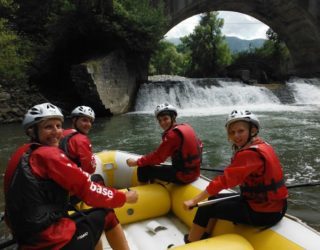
(305, 91)
(195, 100)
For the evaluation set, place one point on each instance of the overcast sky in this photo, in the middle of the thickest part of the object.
(235, 24)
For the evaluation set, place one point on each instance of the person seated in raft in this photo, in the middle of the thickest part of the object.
(77, 146)
(257, 169)
(37, 183)
(76, 143)
(180, 142)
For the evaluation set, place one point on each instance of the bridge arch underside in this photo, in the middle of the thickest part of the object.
(297, 24)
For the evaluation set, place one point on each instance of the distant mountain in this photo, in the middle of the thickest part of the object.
(236, 44)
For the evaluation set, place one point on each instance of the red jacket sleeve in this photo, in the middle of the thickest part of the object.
(170, 143)
(244, 163)
(52, 163)
(80, 147)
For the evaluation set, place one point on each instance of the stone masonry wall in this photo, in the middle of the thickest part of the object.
(106, 83)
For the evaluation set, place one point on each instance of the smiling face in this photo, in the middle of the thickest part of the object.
(239, 132)
(50, 132)
(165, 122)
(82, 124)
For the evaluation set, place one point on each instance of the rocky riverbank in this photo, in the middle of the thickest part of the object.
(15, 101)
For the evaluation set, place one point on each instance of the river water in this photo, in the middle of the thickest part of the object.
(292, 128)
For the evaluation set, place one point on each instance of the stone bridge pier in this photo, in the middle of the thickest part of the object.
(109, 84)
(297, 22)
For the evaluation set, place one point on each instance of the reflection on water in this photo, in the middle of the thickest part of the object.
(294, 136)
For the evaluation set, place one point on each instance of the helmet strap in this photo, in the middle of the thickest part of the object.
(173, 118)
(74, 123)
(251, 135)
(34, 134)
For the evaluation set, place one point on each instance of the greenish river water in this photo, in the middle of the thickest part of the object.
(294, 135)
(292, 129)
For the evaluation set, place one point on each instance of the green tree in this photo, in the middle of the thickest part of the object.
(278, 52)
(273, 58)
(208, 50)
(16, 54)
(140, 31)
(67, 32)
(7, 8)
(167, 60)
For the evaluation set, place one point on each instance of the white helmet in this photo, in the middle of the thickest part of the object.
(242, 115)
(40, 112)
(165, 108)
(83, 111)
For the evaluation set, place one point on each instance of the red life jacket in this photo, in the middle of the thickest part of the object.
(267, 184)
(64, 143)
(189, 156)
(33, 204)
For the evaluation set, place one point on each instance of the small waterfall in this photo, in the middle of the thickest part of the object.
(305, 91)
(219, 96)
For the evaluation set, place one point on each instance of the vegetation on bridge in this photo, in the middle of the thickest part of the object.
(41, 40)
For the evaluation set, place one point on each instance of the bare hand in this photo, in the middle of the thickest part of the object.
(189, 204)
(131, 196)
(131, 162)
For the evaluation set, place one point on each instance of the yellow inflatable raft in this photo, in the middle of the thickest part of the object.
(158, 220)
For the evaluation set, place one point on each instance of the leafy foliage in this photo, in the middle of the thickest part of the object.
(167, 60)
(208, 50)
(15, 56)
(59, 33)
(140, 24)
(7, 8)
(203, 53)
(273, 57)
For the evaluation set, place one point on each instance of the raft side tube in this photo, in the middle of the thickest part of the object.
(222, 242)
(112, 166)
(154, 201)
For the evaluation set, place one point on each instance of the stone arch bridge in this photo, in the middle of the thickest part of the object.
(297, 22)
(108, 83)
